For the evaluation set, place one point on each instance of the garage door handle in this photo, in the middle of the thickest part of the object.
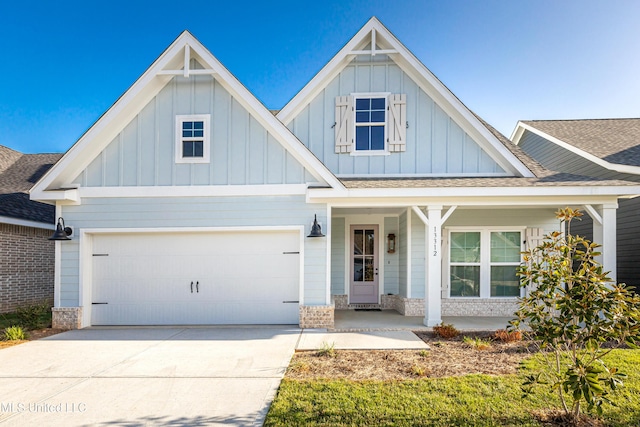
(197, 287)
(290, 302)
(192, 287)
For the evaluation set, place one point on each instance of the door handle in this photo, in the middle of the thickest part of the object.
(191, 286)
(197, 287)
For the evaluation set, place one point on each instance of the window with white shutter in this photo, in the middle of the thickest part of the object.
(370, 123)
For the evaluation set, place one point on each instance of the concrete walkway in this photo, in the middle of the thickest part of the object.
(145, 376)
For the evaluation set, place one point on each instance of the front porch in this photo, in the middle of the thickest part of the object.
(391, 320)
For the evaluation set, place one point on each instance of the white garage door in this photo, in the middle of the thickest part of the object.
(195, 278)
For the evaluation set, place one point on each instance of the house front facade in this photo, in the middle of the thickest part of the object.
(191, 203)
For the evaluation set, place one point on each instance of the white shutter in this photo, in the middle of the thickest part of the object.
(344, 124)
(533, 237)
(397, 123)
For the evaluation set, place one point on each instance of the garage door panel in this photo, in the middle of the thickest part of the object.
(238, 278)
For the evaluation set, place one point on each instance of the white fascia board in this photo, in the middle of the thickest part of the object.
(52, 196)
(425, 80)
(195, 191)
(615, 167)
(476, 193)
(26, 223)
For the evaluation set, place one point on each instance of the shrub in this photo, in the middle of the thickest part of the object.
(477, 343)
(446, 331)
(327, 350)
(13, 333)
(31, 316)
(419, 371)
(573, 309)
(507, 336)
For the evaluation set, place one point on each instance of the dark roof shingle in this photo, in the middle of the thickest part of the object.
(18, 173)
(613, 140)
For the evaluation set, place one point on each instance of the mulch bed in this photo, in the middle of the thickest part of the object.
(35, 334)
(444, 358)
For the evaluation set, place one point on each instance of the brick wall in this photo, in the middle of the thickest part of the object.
(26, 266)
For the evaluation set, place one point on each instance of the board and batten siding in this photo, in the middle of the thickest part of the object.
(196, 212)
(435, 143)
(338, 247)
(242, 151)
(391, 261)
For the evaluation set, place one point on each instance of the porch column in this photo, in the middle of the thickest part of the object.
(433, 282)
(604, 233)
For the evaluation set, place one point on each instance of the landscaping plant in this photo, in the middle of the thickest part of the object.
(446, 331)
(13, 333)
(30, 316)
(575, 314)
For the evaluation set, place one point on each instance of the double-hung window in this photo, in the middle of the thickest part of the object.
(484, 263)
(370, 114)
(192, 139)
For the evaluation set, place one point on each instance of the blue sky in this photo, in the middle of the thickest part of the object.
(63, 64)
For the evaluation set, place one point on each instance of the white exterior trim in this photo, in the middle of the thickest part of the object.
(26, 223)
(195, 191)
(521, 127)
(423, 78)
(426, 175)
(485, 260)
(206, 138)
(86, 246)
(57, 266)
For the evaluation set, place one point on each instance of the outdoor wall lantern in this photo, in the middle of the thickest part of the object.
(391, 243)
(316, 230)
(62, 232)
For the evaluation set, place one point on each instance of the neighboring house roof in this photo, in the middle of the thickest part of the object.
(611, 143)
(18, 173)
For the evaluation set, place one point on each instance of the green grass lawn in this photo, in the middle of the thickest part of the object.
(471, 400)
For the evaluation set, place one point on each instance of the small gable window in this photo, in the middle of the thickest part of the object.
(370, 123)
(192, 139)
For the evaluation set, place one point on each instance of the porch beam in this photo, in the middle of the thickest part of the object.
(447, 214)
(433, 276)
(593, 214)
(421, 215)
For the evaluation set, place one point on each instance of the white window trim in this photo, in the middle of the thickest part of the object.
(206, 144)
(485, 260)
(385, 151)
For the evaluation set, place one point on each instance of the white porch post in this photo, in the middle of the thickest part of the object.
(604, 233)
(433, 282)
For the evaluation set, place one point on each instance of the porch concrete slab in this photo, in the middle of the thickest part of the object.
(145, 376)
(314, 339)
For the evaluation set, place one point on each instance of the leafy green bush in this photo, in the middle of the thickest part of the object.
(31, 316)
(13, 333)
(573, 309)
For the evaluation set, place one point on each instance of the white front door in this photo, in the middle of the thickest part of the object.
(364, 264)
(196, 278)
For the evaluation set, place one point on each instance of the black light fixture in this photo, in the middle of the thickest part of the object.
(62, 232)
(316, 230)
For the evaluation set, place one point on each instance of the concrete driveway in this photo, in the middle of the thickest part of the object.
(145, 376)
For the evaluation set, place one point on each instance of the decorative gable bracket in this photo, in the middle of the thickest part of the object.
(374, 49)
(187, 71)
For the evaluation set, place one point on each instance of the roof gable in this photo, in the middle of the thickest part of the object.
(176, 60)
(613, 144)
(374, 34)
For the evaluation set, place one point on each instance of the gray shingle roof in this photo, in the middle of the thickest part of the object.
(614, 140)
(553, 179)
(18, 173)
